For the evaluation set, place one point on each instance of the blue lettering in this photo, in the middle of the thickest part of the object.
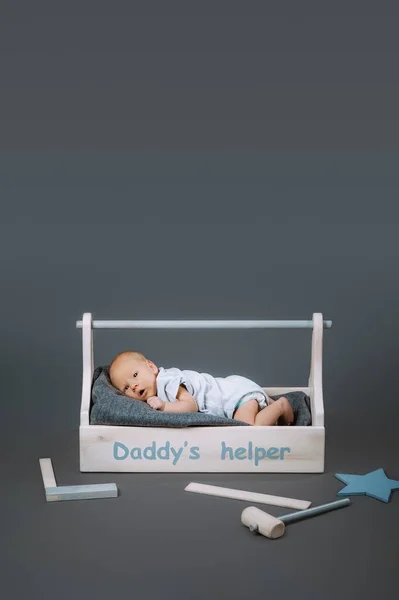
(260, 454)
(117, 446)
(240, 453)
(166, 449)
(226, 449)
(168, 452)
(282, 450)
(151, 454)
(194, 453)
(271, 453)
(136, 453)
(250, 451)
(176, 455)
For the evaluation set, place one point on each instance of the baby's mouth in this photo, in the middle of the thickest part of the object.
(141, 393)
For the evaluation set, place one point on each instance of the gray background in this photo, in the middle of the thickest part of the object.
(198, 160)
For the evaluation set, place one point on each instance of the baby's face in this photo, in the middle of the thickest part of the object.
(135, 378)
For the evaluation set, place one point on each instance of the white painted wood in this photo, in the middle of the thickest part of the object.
(265, 524)
(81, 492)
(202, 324)
(307, 444)
(222, 492)
(276, 391)
(316, 369)
(202, 449)
(48, 476)
(88, 367)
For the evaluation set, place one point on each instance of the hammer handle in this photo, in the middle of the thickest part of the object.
(312, 512)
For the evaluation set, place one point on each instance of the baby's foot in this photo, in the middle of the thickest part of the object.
(300, 405)
(287, 416)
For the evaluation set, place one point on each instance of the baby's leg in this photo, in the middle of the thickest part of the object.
(280, 410)
(247, 412)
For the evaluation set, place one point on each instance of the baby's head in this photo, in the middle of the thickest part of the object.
(134, 375)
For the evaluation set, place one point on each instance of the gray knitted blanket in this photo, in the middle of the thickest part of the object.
(111, 407)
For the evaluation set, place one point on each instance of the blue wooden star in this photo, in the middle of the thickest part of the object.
(374, 484)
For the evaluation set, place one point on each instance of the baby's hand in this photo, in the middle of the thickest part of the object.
(155, 403)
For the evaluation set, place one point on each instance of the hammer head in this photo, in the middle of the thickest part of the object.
(263, 523)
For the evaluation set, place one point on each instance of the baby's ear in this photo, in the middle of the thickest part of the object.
(152, 366)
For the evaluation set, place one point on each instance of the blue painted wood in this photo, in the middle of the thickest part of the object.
(374, 484)
(314, 511)
(81, 492)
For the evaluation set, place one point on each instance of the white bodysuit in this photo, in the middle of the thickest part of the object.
(217, 396)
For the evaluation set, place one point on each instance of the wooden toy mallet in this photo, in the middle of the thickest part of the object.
(272, 527)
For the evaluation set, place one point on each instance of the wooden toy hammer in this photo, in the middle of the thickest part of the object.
(272, 527)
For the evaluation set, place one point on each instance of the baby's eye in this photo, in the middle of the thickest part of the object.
(125, 388)
(135, 374)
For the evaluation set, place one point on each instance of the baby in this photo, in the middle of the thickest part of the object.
(172, 390)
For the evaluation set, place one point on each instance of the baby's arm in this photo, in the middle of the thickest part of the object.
(185, 402)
